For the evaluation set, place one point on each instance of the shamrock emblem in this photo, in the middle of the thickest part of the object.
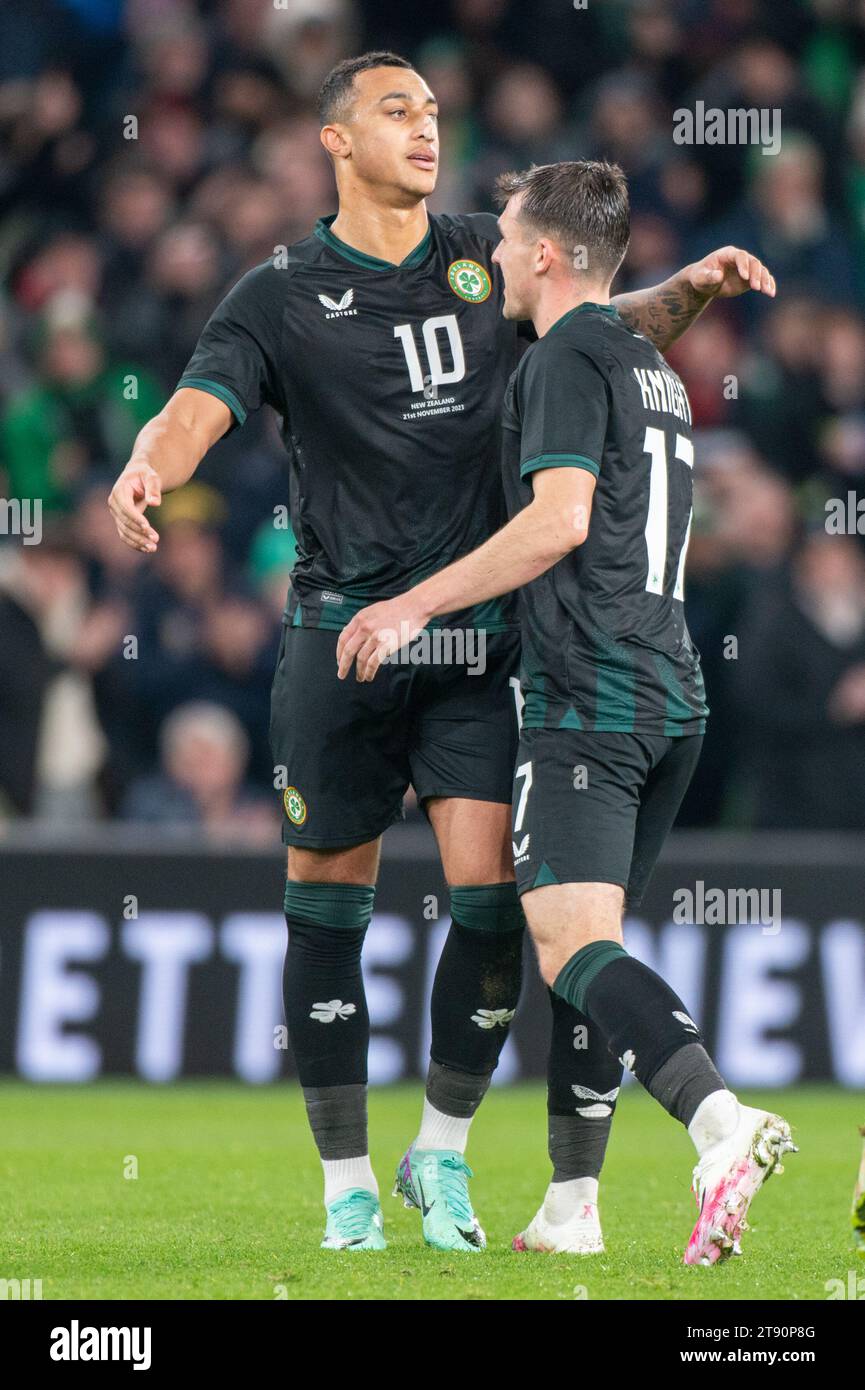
(491, 1018)
(334, 1008)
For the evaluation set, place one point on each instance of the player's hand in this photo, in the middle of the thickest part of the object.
(136, 488)
(375, 633)
(729, 272)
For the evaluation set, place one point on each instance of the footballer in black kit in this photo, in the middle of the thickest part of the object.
(614, 698)
(394, 472)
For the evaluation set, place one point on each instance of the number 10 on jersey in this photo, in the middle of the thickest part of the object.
(447, 324)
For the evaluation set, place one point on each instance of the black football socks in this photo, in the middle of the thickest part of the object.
(645, 1024)
(328, 1022)
(475, 994)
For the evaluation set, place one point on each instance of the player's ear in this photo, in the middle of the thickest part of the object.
(544, 255)
(335, 141)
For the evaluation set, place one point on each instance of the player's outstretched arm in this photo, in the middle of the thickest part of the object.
(555, 522)
(166, 454)
(664, 312)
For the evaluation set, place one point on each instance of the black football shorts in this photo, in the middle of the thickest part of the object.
(596, 807)
(350, 750)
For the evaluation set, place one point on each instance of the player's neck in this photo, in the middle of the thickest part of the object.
(551, 307)
(388, 233)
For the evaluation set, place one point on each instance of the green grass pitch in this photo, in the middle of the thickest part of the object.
(226, 1202)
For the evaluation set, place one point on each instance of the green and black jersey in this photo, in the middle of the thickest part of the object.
(604, 639)
(389, 381)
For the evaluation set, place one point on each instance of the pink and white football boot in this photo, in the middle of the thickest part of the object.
(728, 1177)
(564, 1226)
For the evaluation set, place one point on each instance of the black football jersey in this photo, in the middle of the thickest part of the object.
(389, 380)
(604, 639)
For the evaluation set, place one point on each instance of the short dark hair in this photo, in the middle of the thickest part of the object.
(337, 89)
(579, 203)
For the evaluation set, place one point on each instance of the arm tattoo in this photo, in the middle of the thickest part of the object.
(662, 313)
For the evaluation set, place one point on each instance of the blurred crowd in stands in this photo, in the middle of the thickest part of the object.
(151, 151)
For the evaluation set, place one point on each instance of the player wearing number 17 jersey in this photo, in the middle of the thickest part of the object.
(598, 463)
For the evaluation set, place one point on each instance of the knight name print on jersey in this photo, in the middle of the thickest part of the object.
(663, 391)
